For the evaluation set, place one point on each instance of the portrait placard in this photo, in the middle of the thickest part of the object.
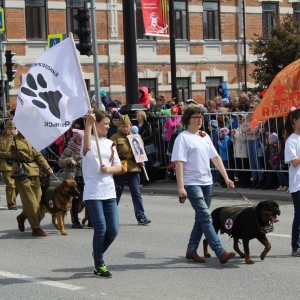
(137, 147)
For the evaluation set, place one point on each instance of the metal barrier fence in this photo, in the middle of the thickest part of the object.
(258, 148)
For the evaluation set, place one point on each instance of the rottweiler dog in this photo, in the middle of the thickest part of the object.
(57, 201)
(246, 224)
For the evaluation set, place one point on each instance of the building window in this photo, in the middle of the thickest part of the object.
(269, 16)
(211, 20)
(151, 84)
(36, 21)
(183, 89)
(1, 3)
(72, 7)
(181, 26)
(212, 84)
(296, 11)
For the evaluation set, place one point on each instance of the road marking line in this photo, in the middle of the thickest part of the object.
(280, 235)
(41, 281)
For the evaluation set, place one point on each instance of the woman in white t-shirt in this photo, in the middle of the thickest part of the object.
(292, 157)
(99, 189)
(192, 152)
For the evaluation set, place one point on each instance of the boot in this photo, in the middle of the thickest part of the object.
(76, 223)
(259, 185)
(254, 183)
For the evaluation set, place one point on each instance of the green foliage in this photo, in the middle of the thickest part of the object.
(275, 53)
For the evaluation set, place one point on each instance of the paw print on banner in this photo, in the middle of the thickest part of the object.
(50, 97)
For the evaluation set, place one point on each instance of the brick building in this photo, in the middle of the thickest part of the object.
(212, 43)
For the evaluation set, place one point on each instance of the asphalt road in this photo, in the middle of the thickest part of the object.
(147, 262)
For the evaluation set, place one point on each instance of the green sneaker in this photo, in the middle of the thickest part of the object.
(102, 272)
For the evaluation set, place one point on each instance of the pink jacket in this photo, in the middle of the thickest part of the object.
(171, 126)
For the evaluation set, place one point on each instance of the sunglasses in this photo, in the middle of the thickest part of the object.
(251, 107)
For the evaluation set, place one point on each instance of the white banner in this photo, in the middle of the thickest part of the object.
(52, 96)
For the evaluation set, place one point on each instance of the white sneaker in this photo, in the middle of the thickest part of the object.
(284, 188)
(296, 253)
(280, 188)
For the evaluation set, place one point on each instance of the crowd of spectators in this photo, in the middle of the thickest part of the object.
(253, 158)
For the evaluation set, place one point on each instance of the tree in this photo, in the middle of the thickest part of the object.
(276, 52)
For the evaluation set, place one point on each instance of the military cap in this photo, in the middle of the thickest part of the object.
(124, 120)
(9, 125)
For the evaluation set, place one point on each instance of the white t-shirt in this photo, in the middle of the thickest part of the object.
(98, 185)
(195, 152)
(292, 151)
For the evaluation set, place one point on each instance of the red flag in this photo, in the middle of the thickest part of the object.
(155, 17)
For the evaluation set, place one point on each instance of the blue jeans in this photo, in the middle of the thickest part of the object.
(296, 221)
(200, 198)
(133, 181)
(105, 218)
(283, 178)
(255, 162)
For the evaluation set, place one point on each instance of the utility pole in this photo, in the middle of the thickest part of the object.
(130, 55)
(172, 49)
(95, 55)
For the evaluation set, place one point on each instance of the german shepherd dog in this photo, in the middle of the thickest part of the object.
(57, 201)
(246, 224)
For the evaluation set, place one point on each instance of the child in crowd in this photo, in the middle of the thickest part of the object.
(224, 144)
(276, 161)
(69, 161)
(172, 126)
(212, 130)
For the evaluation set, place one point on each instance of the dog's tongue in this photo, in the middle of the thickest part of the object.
(76, 197)
(274, 219)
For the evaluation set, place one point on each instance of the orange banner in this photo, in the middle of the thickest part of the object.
(282, 94)
(155, 17)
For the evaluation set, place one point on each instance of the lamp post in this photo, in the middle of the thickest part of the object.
(130, 55)
(172, 49)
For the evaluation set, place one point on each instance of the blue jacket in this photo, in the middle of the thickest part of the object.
(214, 135)
(224, 148)
(105, 100)
(224, 93)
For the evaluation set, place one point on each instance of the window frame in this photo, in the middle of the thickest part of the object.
(211, 90)
(296, 11)
(70, 21)
(206, 29)
(30, 23)
(182, 29)
(183, 90)
(269, 16)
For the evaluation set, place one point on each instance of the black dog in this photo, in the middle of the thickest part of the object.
(246, 224)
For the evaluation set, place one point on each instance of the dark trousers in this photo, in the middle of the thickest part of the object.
(243, 176)
(133, 181)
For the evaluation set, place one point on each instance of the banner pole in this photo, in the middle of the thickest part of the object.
(145, 172)
(90, 107)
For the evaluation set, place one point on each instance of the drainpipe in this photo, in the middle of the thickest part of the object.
(245, 51)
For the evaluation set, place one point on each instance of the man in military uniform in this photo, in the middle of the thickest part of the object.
(24, 155)
(132, 176)
(6, 163)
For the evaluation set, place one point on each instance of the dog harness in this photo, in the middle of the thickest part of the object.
(228, 215)
(49, 202)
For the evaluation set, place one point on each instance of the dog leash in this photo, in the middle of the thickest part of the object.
(55, 177)
(246, 199)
